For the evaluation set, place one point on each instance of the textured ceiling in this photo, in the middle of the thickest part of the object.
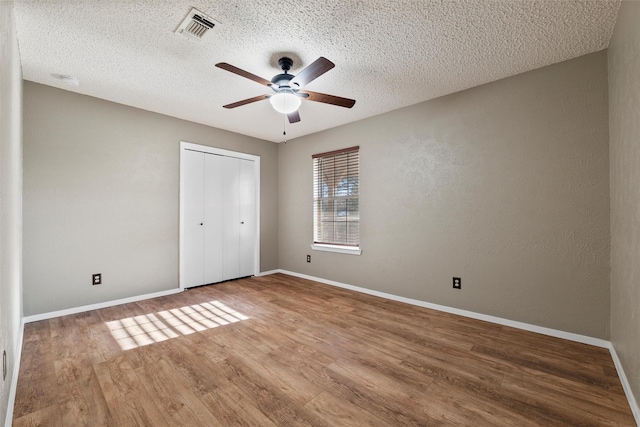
(388, 54)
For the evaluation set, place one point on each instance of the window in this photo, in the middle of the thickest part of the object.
(336, 188)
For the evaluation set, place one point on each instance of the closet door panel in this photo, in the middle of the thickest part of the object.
(231, 218)
(193, 188)
(213, 218)
(248, 220)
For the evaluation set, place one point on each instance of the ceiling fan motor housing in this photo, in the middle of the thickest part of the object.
(281, 81)
(285, 63)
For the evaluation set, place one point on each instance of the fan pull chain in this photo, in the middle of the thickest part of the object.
(284, 127)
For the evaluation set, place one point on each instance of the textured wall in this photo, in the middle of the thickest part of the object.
(101, 195)
(505, 185)
(624, 131)
(10, 198)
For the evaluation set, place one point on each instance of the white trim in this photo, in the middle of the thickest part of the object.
(471, 314)
(14, 380)
(219, 151)
(338, 249)
(266, 273)
(53, 314)
(633, 403)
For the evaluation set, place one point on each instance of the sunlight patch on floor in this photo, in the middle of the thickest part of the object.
(145, 329)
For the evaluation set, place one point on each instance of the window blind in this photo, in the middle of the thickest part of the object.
(336, 190)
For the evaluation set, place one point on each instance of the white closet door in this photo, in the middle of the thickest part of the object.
(218, 216)
(248, 220)
(193, 256)
(213, 218)
(231, 218)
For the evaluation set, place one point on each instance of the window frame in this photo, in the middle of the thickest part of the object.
(337, 247)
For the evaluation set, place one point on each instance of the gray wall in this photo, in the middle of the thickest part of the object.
(10, 199)
(101, 195)
(505, 185)
(624, 132)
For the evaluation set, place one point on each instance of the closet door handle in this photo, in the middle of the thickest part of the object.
(201, 223)
(242, 222)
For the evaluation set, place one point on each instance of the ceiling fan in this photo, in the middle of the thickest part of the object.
(288, 88)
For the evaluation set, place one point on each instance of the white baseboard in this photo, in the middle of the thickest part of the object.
(266, 273)
(625, 384)
(82, 309)
(13, 388)
(479, 316)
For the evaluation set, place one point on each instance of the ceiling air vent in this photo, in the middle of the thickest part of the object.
(196, 25)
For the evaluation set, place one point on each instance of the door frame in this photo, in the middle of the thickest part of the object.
(189, 146)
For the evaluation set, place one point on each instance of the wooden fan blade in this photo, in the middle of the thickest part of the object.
(294, 117)
(312, 72)
(243, 73)
(329, 99)
(246, 101)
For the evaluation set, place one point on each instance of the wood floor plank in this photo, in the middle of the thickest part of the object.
(281, 376)
(278, 350)
(75, 367)
(387, 388)
(49, 416)
(451, 367)
(130, 402)
(234, 408)
(594, 408)
(393, 412)
(201, 373)
(275, 404)
(176, 400)
(83, 404)
(337, 411)
(557, 367)
(457, 406)
(37, 384)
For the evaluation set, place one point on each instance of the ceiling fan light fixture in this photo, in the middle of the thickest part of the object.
(285, 102)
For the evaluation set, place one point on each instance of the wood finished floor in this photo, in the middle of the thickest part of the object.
(283, 351)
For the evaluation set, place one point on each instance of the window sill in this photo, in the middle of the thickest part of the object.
(338, 249)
